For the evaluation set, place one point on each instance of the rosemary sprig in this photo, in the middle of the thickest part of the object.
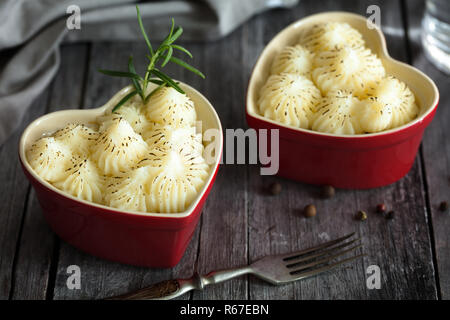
(158, 59)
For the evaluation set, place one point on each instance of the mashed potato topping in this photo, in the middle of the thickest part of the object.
(146, 158)
(330, 82)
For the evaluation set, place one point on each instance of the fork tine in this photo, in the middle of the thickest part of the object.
(325, 260)
(294, 255)
(302, 259)
(307, 274)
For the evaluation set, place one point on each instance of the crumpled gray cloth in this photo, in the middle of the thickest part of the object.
(32, 30)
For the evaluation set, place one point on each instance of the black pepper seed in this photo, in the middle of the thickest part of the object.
(381, 208)
(310, 211)
(443, 206)
(361, 215)
(328, 191)
(390, 215)
(275, 188)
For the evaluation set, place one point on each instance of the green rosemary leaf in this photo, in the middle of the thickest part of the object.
(123, 100)
(166, 39)
(156, 81)
(177, 47)
(176, 35)
(172, 27)
(168, 56)
(187, 66)
(131, 68)
(136, 83)
(120, 74)
(153, 75)
(168, 81)
(141, 25)
(175, 86)
(162, 51)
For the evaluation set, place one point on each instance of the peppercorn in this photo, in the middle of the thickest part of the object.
(275, 188)
(381, 208)
(390, 215)
(443, 206)
(328, 191)
(310, 211)
(361, 215)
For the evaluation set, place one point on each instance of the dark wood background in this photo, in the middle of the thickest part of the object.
(240, 222)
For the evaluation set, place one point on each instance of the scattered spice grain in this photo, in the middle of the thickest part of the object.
(275, 188)
(328, 191)
(361, 215)
(381, 208)
(310, 211)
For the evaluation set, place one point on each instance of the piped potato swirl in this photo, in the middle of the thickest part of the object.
(144, 157)
(331, 82)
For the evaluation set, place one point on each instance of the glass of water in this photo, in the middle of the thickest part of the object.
(436, 33)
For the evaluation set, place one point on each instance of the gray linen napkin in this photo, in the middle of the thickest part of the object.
(32, 30)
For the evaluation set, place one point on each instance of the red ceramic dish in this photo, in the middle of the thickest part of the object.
(345, 161)
(143, 239)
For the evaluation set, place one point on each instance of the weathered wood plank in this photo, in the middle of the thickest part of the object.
(223, 239)
(14, 191)
(36, 246)
(436, 150)
(400, 247)
(102, 278)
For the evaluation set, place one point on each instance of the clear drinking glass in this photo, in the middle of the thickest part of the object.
(436, 33)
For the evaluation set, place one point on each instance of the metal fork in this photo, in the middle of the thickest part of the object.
(275, 269)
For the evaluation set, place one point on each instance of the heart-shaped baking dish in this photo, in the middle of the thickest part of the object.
(345, 161)
(144, 239)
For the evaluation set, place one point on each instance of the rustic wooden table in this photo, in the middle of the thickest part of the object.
(240, 223)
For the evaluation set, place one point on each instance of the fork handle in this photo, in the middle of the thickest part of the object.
(170, 289)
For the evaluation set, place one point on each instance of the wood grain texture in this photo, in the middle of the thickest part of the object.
(14, 191)
(436, 150)
(400, 247)
(37, 244)
(223, 239)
